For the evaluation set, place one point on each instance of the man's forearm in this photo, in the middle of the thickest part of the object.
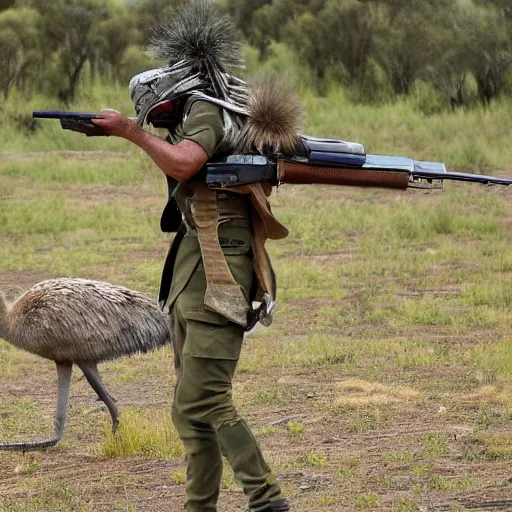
(181, 161)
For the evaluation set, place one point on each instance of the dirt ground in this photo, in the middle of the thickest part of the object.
(344, 434)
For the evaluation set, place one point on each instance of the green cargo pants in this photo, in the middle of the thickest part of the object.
(206, 352)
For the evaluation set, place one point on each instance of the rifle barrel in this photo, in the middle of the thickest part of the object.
(459, 176)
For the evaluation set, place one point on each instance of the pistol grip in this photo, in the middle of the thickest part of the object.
(83, 126)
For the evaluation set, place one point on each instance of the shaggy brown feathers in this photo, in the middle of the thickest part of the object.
(275, 117)
(76, 321)
(3, 313)
(71, 320)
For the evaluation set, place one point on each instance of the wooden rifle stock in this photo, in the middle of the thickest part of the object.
(305, 174)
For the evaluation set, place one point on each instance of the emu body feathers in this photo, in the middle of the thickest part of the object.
(82, 322)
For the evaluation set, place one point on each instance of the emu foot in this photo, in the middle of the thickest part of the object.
(30, 445)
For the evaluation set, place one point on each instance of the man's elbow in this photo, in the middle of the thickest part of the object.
(190, 159)
(183, 171)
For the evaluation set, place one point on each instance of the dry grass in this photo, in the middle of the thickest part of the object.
(384, 382)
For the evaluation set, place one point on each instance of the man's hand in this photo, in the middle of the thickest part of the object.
(116, 124)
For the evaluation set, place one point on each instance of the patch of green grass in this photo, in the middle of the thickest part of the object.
(367, 501)
(419, 354)
(268, 397)
(296, 429)
(150, 434)
(179, 476)
(325, 227)
(55, 169)
(18, 420)
(47, 494)
(366, 418)
(31, 466)
(317, 350)
(494, 291)
(266, 431)
(315, 460)
(405, 457)
(345, 473)
(419, 471)
(495, 357)
(422, 224)
(57, 214)
(325, 350)
(385, 481)
(483, 419)
(435, 445)
(440, 483)
(349, 468)
(426, 311)
(499, 447)
(302, 279)
(13, 360)
(406, 505)
(326, 501)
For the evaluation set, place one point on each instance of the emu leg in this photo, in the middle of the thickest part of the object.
(93, 377)
(64, 371)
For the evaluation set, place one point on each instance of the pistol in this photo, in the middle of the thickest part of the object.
(74, 121)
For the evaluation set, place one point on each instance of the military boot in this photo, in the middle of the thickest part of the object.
(280, 505)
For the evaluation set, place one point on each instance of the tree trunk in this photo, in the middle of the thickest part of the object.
(68, 95)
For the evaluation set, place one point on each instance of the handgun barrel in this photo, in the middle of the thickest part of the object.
(58, 114)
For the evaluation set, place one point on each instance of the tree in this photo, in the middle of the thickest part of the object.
(150, 13)
(242, 12)
(113, 37)
(78, 46)
(69, 30)
(10, 59)
(349, 35)
(6, 4)
(18, 47)
(264, 29)
(488, 46)
(338, 36)
(406, 44)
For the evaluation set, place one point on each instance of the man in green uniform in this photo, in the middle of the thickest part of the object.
(208, 301)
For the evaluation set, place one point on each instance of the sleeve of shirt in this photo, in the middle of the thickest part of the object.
(204, 125)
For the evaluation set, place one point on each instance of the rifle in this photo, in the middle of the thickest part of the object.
(336, 162)
(322, 161)
(74, 121)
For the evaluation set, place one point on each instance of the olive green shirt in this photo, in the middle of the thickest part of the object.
(202, 123)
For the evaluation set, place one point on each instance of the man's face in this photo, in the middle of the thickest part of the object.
(163, 115)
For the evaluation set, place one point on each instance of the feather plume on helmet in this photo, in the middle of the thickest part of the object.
(200, 47)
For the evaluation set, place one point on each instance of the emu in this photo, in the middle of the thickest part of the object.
(82, 322)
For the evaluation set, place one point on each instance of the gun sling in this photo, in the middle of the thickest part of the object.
(223, 294)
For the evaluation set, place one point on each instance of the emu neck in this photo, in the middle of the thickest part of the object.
(3, 315)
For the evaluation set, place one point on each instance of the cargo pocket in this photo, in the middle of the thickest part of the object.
(211, 336)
